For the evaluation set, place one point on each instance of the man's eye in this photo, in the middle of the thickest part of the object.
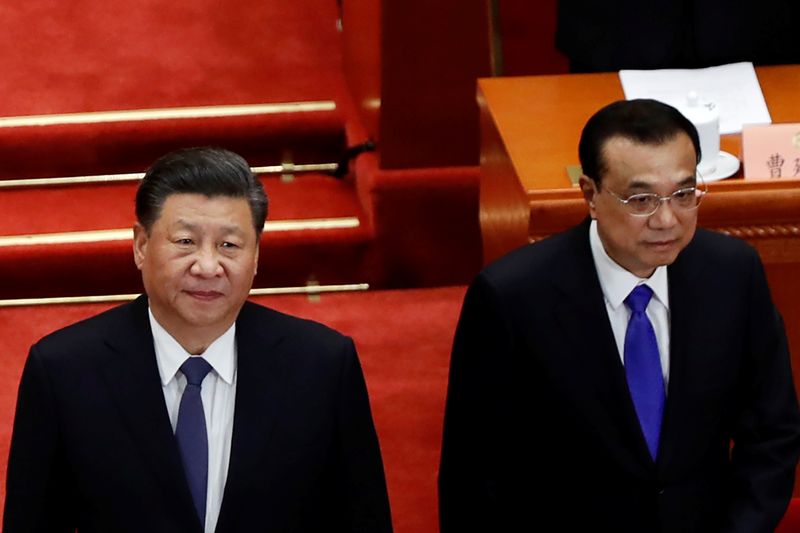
(640, 200)
(683, 194)
(228, 244)
(184, 242)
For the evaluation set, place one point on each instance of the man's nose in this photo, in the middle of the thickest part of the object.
(664, 217)
(206, 263)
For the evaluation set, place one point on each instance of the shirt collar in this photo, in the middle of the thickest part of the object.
(616, 282)
(170, 355)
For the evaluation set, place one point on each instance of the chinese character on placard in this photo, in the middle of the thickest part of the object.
(775, 164)
(796, 166)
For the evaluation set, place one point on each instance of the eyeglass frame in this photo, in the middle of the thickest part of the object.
(699, 193)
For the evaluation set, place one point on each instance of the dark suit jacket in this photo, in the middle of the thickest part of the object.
(93, 448)
(540, 427)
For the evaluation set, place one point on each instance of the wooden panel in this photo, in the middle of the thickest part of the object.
(504, 210)
(432, 53)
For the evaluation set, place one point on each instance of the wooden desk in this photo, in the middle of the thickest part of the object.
(530, 129)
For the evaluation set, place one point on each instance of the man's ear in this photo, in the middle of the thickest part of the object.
(255, 259)
(589, 190)
(140, 240)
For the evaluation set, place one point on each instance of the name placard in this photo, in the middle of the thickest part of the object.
(771, 151)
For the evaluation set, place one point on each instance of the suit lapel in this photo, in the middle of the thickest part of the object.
(259, 389)
(686, 324)
(594, 358)
(132, 376)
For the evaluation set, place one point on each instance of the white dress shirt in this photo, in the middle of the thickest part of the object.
(617, 283)
(218, 394)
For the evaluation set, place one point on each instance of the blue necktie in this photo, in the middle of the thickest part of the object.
(643, 367)
(191, 434)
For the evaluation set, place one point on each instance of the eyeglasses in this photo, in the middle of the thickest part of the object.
(645, 204)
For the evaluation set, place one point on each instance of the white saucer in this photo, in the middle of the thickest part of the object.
(726, 166)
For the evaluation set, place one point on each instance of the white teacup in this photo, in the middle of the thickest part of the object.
(705, 117)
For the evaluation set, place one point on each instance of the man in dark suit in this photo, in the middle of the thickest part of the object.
(190, 409)
(628, 375)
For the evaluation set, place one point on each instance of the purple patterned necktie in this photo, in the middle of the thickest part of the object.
(643, 367)
(191, 434)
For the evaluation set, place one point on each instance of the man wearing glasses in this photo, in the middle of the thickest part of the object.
(628, 375)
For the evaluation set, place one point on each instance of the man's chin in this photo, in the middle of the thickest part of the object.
(664, 258)
(203, 319)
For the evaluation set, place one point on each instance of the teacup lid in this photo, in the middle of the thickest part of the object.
(697, 110)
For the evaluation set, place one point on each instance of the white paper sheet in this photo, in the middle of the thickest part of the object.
(734, 88)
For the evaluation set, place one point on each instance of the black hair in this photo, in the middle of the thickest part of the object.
(207, 171)
(642, 121)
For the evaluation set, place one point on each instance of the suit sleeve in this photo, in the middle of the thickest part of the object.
(767, 436)
(475, 487)
(362, 484)
(38, 496)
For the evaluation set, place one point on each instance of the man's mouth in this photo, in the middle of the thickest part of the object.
(662, 244)
(204, 295)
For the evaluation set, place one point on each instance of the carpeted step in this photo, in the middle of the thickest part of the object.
(262, 78)
(100, 55)
(215, 72)
(129, 141)
(76, 239)
(103, 206)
